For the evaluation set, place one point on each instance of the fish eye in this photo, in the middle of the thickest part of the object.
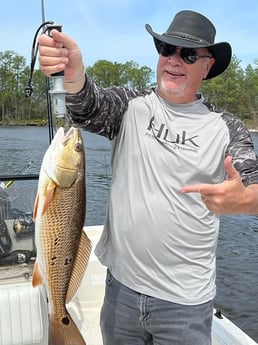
(78, 147)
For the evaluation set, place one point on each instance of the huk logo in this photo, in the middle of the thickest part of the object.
(162, 134)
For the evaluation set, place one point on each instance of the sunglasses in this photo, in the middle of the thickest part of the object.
(188, 55)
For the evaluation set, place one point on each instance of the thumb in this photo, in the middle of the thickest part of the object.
(230, 170)
(61, 37)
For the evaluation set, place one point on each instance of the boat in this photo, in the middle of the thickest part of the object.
(23, 309)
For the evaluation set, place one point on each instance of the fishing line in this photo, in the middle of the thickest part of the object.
(29, 88)
(34, 52)
(57, 93)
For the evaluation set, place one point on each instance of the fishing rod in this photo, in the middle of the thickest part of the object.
(21, 172)
(16, 176)
(47, 82)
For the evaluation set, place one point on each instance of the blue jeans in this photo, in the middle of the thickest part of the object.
(131, 318)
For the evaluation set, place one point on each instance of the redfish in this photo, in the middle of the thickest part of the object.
(63, 248)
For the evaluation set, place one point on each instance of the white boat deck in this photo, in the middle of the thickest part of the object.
(29, 310)
(90, 297)
(86, 305)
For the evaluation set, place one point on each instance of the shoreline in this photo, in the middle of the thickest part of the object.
(45, 124)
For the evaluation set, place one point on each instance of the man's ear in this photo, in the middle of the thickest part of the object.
(207, 66)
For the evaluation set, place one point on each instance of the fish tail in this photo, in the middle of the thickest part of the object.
(64, 332)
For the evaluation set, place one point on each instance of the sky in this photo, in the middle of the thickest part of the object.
(114, 30)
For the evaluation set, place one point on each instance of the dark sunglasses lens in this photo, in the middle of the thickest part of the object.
(189, 55)
(167, 50)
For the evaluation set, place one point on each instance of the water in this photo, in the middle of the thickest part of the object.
(237, 254)
(19, 145)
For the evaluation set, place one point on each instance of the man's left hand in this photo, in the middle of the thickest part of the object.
(222, 198)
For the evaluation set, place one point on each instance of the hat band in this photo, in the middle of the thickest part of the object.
(186, 37)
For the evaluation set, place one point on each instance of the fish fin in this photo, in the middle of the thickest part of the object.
(48, 195)
(64, 331)
(37, 277)
(80, 265)
(36, 204)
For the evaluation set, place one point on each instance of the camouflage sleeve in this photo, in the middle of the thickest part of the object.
(241, 149)
(100, 110)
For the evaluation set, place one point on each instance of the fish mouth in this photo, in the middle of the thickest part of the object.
(65, 135)
(68, 134)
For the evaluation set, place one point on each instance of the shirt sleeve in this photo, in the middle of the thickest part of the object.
(241, 149)
(100, 110)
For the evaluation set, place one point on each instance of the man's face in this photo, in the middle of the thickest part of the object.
(178, 81)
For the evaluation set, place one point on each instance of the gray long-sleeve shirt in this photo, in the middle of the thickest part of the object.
(157, 240)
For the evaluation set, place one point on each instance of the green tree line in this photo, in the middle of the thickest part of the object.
(236, 90)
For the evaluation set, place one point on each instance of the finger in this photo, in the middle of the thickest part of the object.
(57, 39)
(45, 40)
(59, 45)
(191, 189)
(204, 199)
(204, 189)
(52, 65)
(60, 37)
(53, 51)
(199, 188)
(50, 70)
(51, 39)
(230, 169)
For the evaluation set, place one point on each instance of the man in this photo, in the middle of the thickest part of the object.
(177, 164)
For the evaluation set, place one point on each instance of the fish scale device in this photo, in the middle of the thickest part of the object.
(58, 92)
(55, 84)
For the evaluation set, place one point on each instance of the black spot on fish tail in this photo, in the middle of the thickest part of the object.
(64, 332)
(66, 320)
